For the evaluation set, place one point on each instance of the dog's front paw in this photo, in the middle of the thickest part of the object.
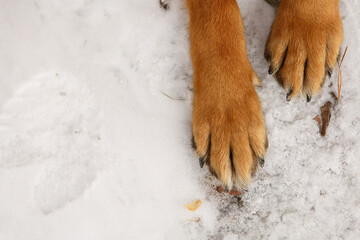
(304, 45)
(229, 130)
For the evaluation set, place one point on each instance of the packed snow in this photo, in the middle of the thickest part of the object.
(95, 131)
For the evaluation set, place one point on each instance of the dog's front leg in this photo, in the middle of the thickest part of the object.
(228, 125)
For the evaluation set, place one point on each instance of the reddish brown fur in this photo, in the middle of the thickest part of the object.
(312, 33)
(228, 125)
(226, 106)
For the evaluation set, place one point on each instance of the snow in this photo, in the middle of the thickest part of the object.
(92, 148)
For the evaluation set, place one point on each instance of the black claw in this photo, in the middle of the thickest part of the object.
(288, 95)
(193, 143)
(329, 72)
(261, 161)
(308, 98)
(271, 70)
(267, 56)
(202, 161)
(163, 4)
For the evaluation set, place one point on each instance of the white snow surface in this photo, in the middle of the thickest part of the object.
(92, 148)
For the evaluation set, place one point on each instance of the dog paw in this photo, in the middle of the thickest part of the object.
(304, 44)
(229, 130)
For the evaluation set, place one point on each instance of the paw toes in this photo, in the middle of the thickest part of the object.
(256, 80)
(220, 159)
(333, 45)
(291, 73)
(244, 165)
(275, 54)
(315, 71)
(201, 136)
(257, 134)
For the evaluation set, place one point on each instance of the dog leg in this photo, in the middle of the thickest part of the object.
(227, 123)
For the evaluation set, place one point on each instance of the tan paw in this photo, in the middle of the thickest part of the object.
(304, 45)
(229, 133)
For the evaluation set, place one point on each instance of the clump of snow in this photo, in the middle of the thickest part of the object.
(95, 123)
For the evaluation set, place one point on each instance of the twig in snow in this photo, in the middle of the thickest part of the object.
(177, 99)
(339, 80)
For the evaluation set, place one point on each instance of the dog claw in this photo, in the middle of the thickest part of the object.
(201, 162)
(288, 95)
(163, 4)
(329, 72)
(308, 98)
(271, 70)
(261, 161)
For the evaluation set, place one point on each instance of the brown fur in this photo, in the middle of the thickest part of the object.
(227, 113)
(228, 125)
(304, 44)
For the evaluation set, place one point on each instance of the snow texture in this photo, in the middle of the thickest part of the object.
(95, 129)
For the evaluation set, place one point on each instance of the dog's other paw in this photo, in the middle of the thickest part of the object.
(304, 44)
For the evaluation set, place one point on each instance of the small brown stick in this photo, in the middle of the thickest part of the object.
(339, 80)
(177, 99)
